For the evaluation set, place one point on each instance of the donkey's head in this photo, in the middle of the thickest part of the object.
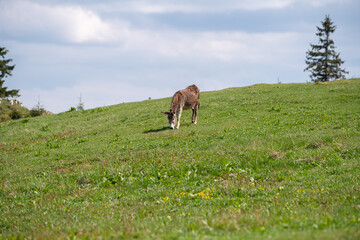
(172, 118)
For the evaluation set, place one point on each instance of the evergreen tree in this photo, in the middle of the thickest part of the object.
(81, 105)
(322, 61)
(5, 71)
(38, 110)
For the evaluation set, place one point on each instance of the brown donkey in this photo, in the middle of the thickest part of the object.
(184, 99)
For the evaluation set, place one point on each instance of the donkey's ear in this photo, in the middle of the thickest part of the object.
(167, 113)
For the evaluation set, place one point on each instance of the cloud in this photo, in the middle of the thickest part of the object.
(321, 3)
(219, 46)
(76, 24)
(188, 6)
(70, 23)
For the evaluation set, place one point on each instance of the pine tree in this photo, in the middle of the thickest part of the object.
(322, 61)
(80, 106)
(5, 71)
(38, 110)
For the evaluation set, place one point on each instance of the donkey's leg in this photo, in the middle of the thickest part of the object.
(195, 113)
(178, 116)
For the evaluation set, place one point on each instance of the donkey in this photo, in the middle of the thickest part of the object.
(184, 99)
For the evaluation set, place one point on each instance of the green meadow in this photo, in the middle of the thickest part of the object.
(266, 161)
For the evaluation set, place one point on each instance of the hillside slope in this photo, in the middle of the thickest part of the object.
(265, 160)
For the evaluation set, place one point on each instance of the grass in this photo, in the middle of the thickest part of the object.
(264, 161)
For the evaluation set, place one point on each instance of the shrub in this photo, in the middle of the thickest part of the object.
(12, 109)
(37, 111)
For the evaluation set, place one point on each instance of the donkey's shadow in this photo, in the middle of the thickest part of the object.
(156, 130)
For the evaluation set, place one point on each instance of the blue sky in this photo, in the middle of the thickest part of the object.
(111, 52)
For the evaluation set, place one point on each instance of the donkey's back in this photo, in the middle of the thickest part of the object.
(189, 98)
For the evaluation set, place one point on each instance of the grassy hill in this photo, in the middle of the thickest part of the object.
(277, 161)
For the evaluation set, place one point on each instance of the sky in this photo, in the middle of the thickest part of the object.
(109, 52)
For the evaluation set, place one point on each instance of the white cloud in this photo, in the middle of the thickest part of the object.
(82, 25)
(75, 24)
(188, 6)
(69, 23)
(321, 3)
(223, 46)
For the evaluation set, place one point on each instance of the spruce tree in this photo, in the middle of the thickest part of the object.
(81, 104)
(322, 61)
(5, 71)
